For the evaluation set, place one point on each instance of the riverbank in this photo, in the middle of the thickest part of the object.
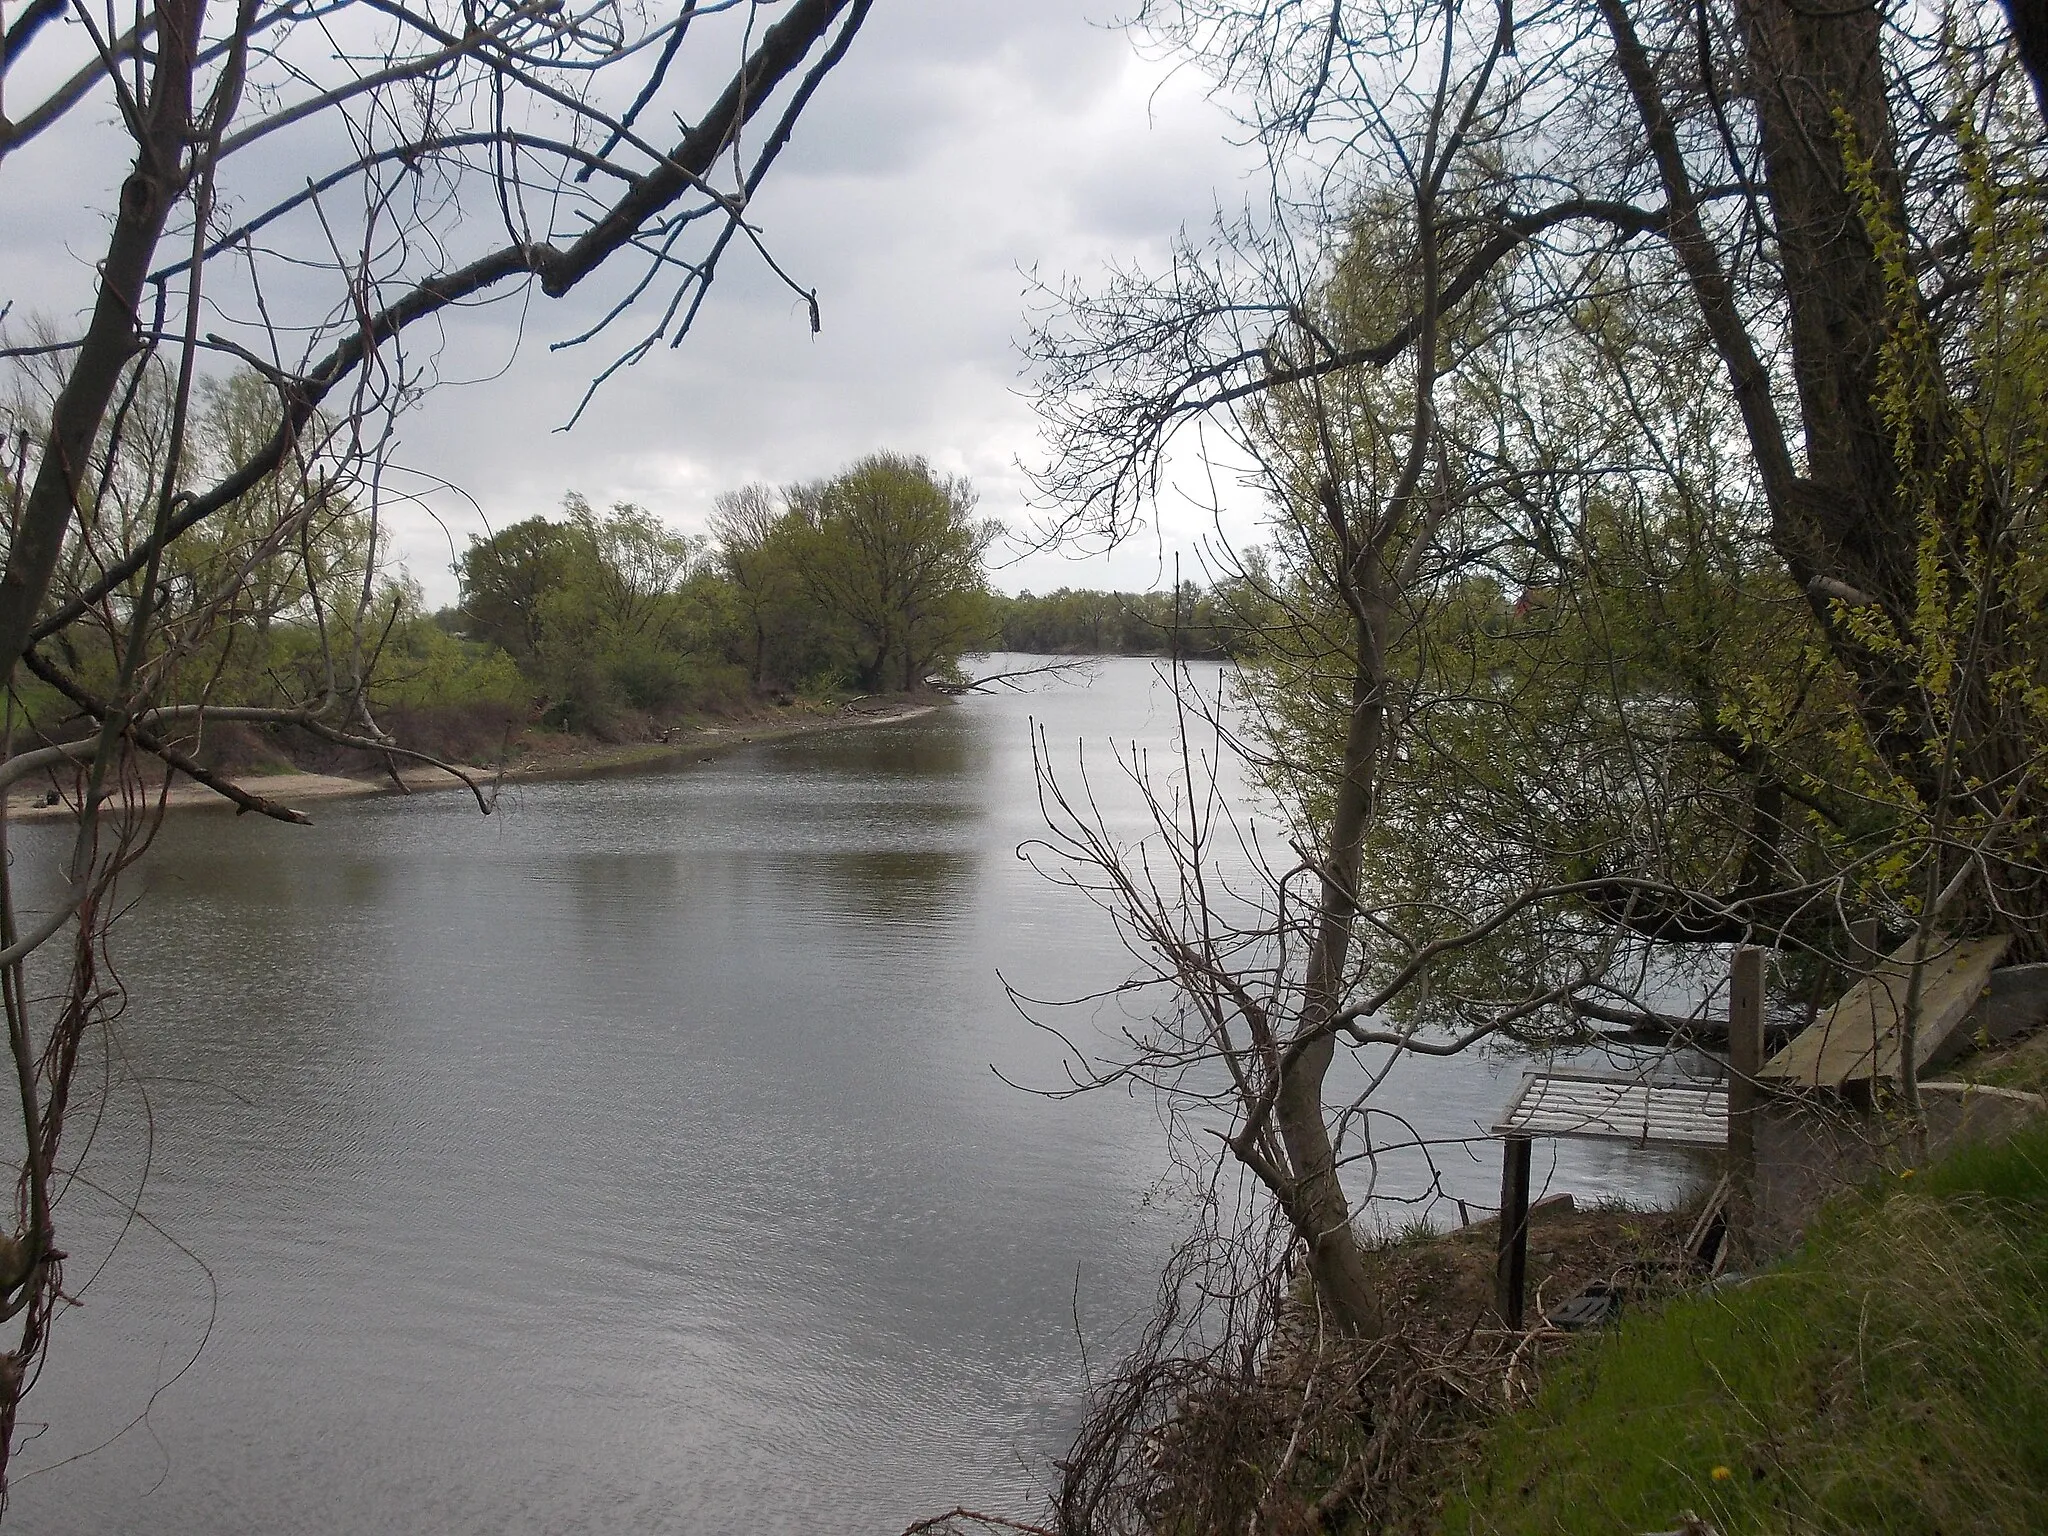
(1279, 1423)
(1884, 1375)
(533, 755)
(1887, 1376)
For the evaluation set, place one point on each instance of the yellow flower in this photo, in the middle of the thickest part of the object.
(1722, 1474)
(1905, 1173)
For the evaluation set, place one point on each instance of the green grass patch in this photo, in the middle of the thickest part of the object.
(1891, 1377)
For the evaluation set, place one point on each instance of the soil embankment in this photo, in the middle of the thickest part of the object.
(530, 755)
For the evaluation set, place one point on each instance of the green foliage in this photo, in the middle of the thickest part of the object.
(891, 550)
(591, 618)
(1597, 668)
(586, 621)
(604, 614)
(424, 665)
(1886, 1379)
(1964, 403)
(288, 537)
(1219, 623)
(508, 579)
(874, 576)
(781, 635)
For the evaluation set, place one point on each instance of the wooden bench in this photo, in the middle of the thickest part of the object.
(1643, 1111)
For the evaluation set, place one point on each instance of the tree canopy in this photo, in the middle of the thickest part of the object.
(872, 579)
(893, 551)
(1648, 401)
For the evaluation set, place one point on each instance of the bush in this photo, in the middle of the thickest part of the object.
(652, 679)
(423, 665)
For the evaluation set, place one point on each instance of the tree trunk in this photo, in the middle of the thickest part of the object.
(1807, 64)
(2029, 19)
(147, 196)
(1818, 79)
(111, 339)
(874, 670)
(1848, 524)
(1336, 1258)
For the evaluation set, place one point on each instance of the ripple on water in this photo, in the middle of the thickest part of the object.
(628, 1161)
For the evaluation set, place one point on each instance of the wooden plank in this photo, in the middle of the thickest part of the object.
(1857, 1040)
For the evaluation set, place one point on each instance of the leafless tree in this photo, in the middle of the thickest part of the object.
(446, 156)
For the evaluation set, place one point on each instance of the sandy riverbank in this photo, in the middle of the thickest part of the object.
(537, 756)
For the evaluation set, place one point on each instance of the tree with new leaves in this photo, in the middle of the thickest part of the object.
(603, 612)
(636, 565)
(1562, 672)
(1768, 148)
(762, 538)
(290, 538)
(746, 526)
(508, 577)
(894, 550)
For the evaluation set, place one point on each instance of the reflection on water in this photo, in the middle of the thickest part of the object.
(630, 1160)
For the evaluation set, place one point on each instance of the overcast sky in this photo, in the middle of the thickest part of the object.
(961, 144)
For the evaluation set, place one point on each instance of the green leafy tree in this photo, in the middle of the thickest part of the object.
(893, 550)
(603, 612)
(508, 577)
(756, 541)
(631, 566)
(292, 535)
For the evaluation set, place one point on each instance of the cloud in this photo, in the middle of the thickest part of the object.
(961, 144)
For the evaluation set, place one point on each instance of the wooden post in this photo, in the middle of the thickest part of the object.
(1745, 1060)
(1866, 940)
(1511, 1267)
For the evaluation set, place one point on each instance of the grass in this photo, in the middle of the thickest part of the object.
(1891, 1377)
(2023, 1066)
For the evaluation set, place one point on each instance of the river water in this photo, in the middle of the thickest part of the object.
(635, 1159)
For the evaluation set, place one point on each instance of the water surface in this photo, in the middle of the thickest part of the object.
(634, 1159)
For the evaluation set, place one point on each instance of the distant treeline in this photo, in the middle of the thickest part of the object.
(872, 580)
(1215, 623)
(604, 622)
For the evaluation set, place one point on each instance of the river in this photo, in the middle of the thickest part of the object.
(635, 1159)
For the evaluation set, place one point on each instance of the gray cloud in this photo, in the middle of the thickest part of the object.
(961, 142)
